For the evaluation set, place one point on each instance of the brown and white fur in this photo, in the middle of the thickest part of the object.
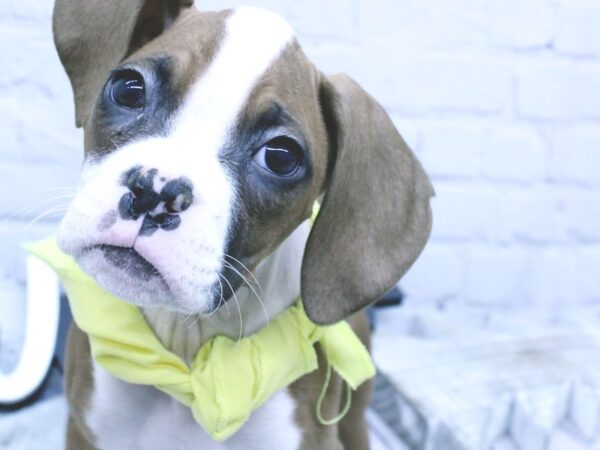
(228, 245)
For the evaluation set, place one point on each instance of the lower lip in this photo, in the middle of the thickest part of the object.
(128, 260)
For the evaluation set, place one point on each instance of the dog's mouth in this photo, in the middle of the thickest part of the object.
(129, 261)
(114, 266)
(127, 274)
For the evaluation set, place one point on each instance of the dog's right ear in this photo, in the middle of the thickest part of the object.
(93, 36)
(375, 217)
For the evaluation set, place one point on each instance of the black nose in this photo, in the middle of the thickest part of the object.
(175, 196)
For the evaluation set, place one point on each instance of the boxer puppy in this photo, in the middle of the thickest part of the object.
(208, 138)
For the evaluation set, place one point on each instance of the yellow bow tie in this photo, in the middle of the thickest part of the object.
(228, 379)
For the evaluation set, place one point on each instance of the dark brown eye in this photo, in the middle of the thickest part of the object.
(281, 156)
(128, 89)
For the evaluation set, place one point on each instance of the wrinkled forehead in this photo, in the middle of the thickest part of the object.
(220, 56)
(233, 70)
(223, 70)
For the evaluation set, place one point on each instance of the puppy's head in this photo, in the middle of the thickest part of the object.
(208, 137)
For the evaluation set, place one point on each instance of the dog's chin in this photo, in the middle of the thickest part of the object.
(126, 274)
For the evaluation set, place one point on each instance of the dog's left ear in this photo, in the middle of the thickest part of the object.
(93, 36)
(375, 218)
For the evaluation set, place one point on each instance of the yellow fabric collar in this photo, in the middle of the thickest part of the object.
(228, 380)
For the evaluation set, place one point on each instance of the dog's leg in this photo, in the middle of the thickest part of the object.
(78, 386)
(306, 393)
(353, 431)
(75, 439)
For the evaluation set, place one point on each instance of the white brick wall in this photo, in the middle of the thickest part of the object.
(499, 98)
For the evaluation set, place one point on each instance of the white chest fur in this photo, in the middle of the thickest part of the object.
(123, 416)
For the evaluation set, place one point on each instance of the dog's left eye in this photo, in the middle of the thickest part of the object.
(128, 89)
(281, 156)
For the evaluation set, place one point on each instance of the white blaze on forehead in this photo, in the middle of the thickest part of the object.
(253, 39)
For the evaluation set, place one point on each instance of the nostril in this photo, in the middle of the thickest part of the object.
(179, 204)
(144, 184)
(163, 221)
(130, 178)
(127, 207)
(142, 197)
(177, 195)
(138, 187)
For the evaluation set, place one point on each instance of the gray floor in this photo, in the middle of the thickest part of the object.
(37, 427)
(41, 425)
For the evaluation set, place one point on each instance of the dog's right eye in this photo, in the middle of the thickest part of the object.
(281, 156)
(128, 90)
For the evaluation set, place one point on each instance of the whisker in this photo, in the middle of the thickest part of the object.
(221, 300)
(36, 205)
(196, 318)
(258, 297)
(185, 319)
(247, 270)
(47, 213)
(237, 303)
(54, 188)
(244, 279)
(238, 306)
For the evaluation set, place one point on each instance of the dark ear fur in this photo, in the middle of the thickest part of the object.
(93, 36)
(375, 217)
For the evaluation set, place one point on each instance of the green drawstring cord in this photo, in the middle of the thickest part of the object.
(315, 212)
(341, 415)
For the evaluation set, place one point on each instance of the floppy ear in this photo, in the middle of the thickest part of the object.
(375, 217)
(93, 36)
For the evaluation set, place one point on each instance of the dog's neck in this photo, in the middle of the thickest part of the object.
(278, 276)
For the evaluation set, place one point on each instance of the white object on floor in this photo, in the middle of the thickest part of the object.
(381, 437)
(38, 427)
(41, 326)
(484, 391)
(584, 409)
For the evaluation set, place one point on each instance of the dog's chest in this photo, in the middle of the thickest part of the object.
(124, 416)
